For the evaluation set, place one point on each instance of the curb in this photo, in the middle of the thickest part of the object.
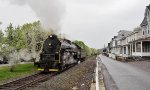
(98, 80)
(101, 79)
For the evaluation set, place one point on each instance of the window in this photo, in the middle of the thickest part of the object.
(146, 46)
(138, 47)
(148, 31)
(143, 32)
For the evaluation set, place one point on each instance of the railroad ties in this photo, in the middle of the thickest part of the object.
(29, 81)
(25, 82)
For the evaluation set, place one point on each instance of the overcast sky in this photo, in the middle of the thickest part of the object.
(93, 21)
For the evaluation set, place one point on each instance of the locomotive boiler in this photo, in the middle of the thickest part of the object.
(58, 54)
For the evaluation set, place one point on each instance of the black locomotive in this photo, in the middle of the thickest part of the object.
(57, 54)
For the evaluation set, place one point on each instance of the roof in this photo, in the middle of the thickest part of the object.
(141, 39)
(144, 22)
(123, 33)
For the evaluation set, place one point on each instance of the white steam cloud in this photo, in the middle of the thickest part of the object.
(50, 12)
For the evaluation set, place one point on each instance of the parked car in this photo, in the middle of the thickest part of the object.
(1, 62)
(5, 62)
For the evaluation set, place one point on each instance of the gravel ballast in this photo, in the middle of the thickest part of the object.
(78, 77)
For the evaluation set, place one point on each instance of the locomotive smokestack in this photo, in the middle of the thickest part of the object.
(50, 12)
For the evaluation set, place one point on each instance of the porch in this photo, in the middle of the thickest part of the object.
(139, 48)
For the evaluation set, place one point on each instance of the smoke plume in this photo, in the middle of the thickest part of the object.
(50, 12)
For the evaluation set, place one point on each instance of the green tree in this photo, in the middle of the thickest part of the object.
(15, 41)
(34, 37)
(1, 38)
(89, 51)
(29, 36)
(137, 29)
(9, 33)
(84, 47)
(9, 43)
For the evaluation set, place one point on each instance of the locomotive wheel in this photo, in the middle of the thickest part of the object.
(61, 67)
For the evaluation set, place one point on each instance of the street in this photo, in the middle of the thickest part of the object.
(126, 76)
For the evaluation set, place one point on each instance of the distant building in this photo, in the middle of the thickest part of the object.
(116, 48)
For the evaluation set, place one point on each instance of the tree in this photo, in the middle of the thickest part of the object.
(1, 41)
(34, 37)
(137, 29)
(9, 43)
(28, 37)
(10, 35)
(89, 51)
(84, 47)
(14, 42)
(1, 37)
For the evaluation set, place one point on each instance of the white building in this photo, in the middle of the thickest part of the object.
(133, 44)
(116, 48)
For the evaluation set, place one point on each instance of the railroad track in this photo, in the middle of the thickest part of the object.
(23, 83)
(29, 81)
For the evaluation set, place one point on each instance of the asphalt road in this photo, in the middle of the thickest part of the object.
(125, 76)
(2, 65)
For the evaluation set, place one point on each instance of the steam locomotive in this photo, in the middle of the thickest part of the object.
(58, 54)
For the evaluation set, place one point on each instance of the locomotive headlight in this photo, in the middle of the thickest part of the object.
(51, 36)
(49, 44)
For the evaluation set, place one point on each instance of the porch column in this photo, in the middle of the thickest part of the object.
(130, 50)
(127, 50)
(122, 50)
(141, 48)
(132, 47)
(135, 47)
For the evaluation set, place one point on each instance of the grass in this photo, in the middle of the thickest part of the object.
(20, 70)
